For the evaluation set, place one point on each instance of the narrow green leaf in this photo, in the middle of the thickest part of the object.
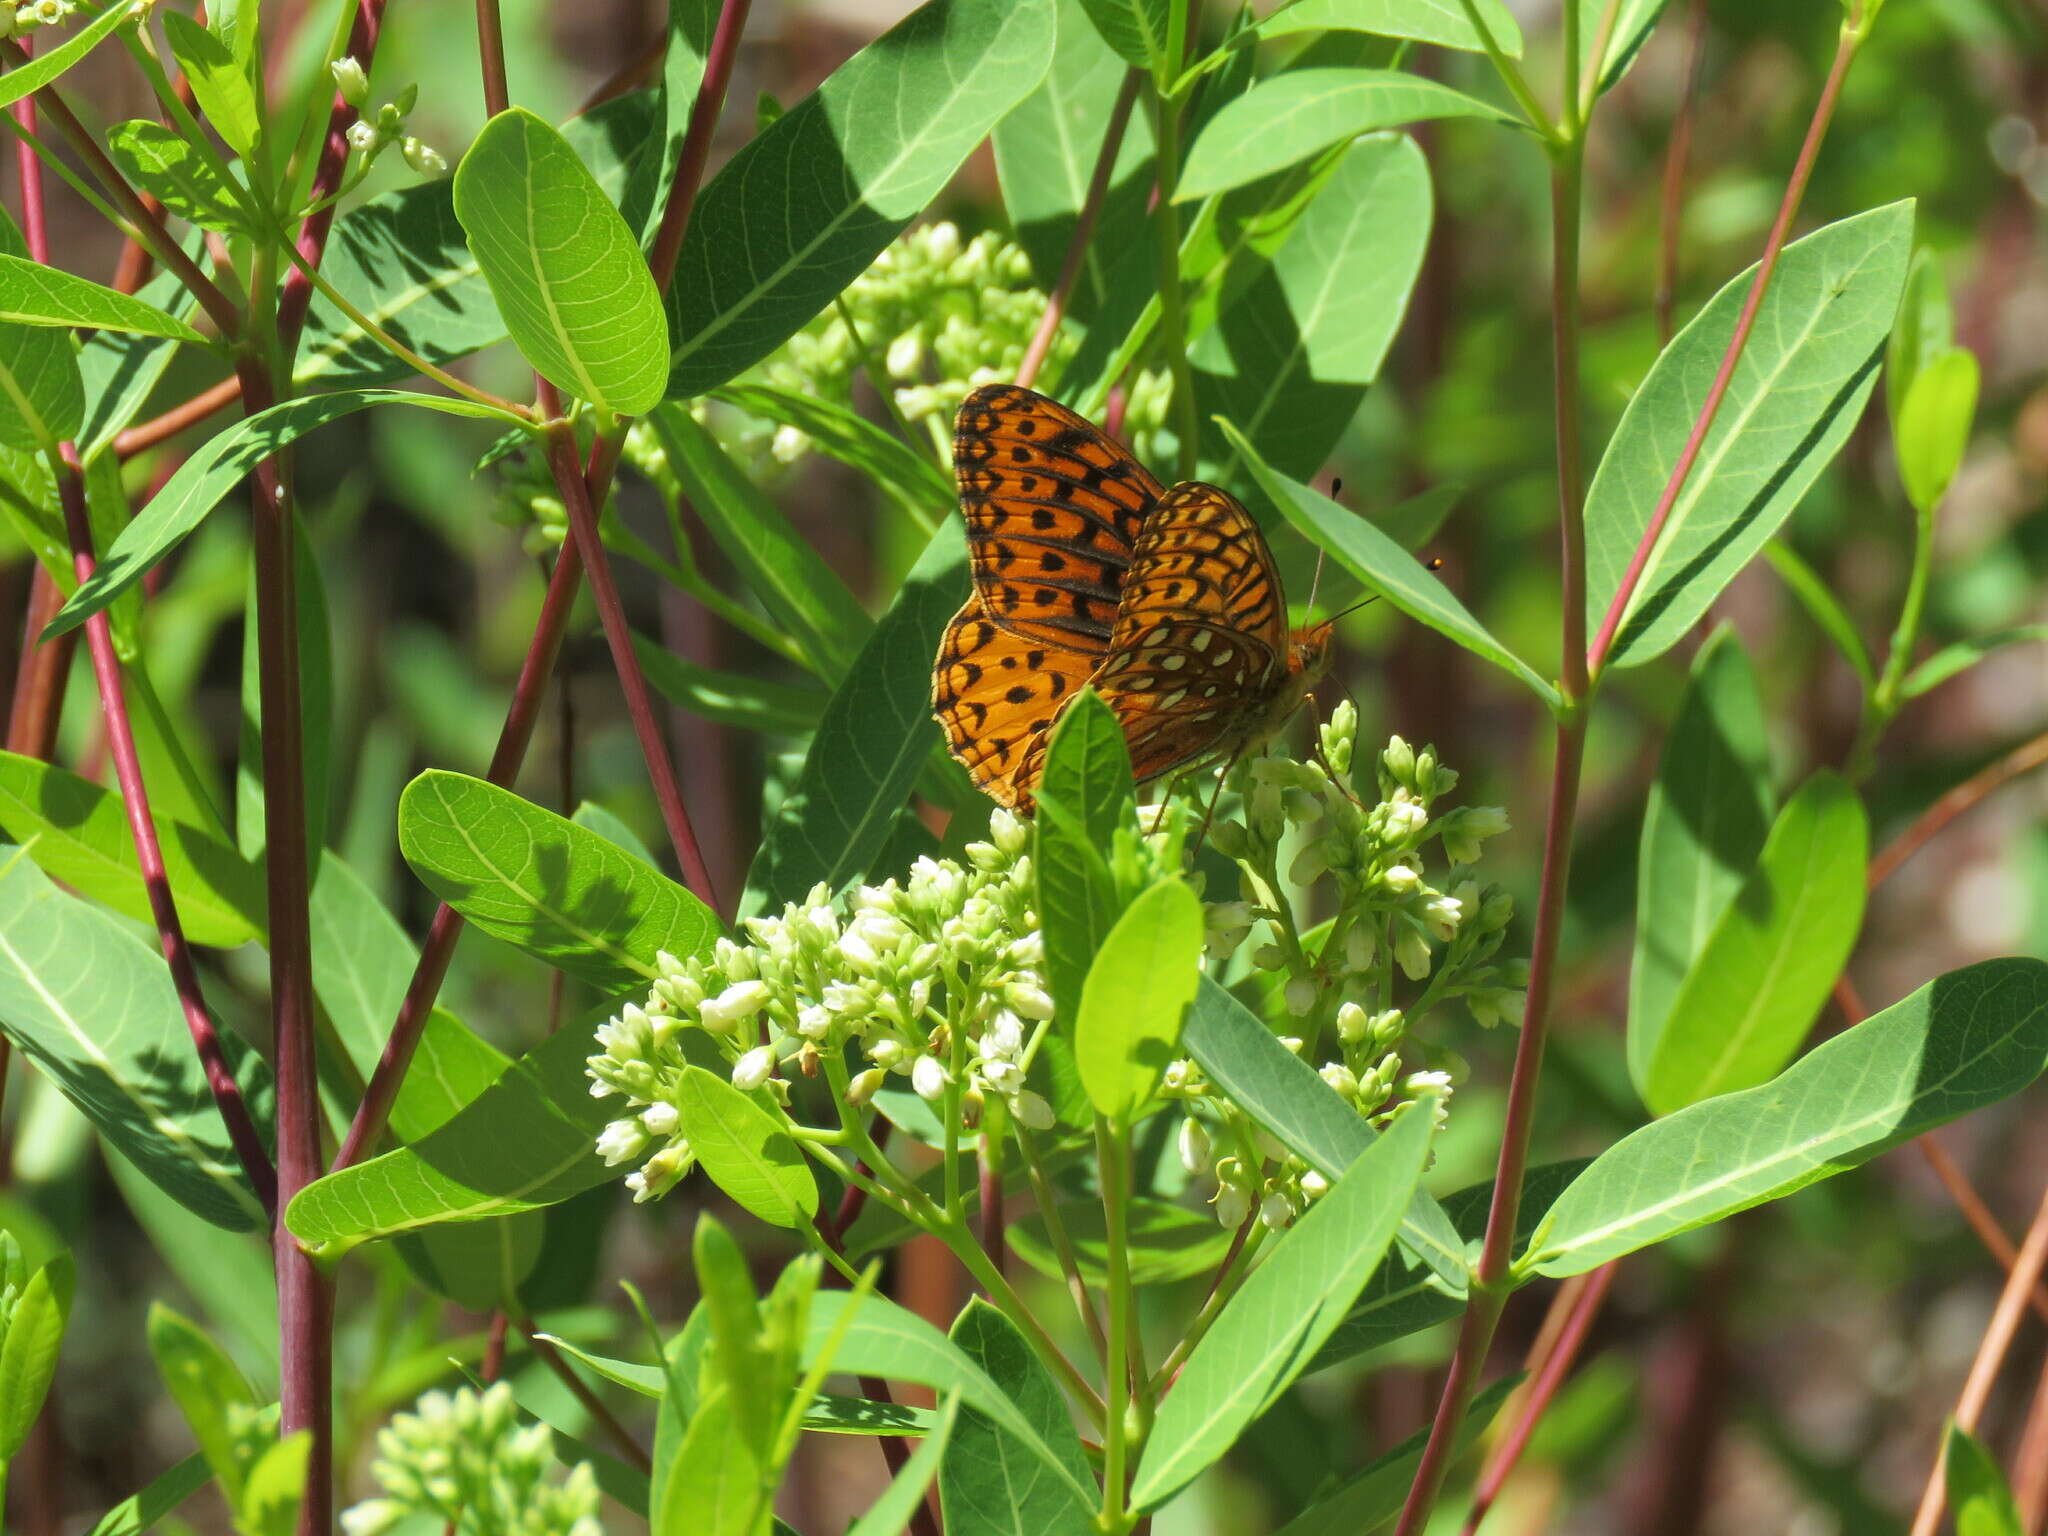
(1136, 29)
(913, 478)
(1926, 328)
(33, 294)
(1933, 426)
(1756, 984)
(1625, 35)
(1965, 654)
(269, 1505)
(94, 1006)
(161, 162)
(1964, 1040)
(747, 1151)
(1382, 565)
(1300, 334)
(1084, 795)
(78, 832)
(46, 67)
(1283, 1093)
(891, 1513)
(846, 169)
(563, 894)
(1809, 365)
(1296, 113)
(1163, 1242)
(1446, 23)
(42, 395)
(1374, 1494)
(690, 27)
(1140, 984)
(717, 1484)
(875, 738)
(567, 273)
(1703, 825)
(1826, 610)
(206, 1386)
(802, 594)
(730, 698)
(219, 83)
(1280, 1316)
(1978, 1495)
(28, 1358)
(216, 468)
(140, 1511)
(607, 825)
(121, 368)
(1045, 159)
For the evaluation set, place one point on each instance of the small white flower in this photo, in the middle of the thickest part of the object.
(1411, 953)
(864, 1084)
(1442, 914)
(1005, 1037)
(741, 1000)
(1352, 1023)
(1400, 879)
(1314, 1185)
(422, 157)
(1341, 1078)
(1301, 995)
(1004, 1077)
(929, 1078)
(1277, 1210)
(1194, 1146)
(813, 1021)
(1232, 1205)
(887, 1052)
(621, 1142)
(350, 81)
(1031, 1110)
(906, 354)
(753, 1069)
(661, 1119)
(789, 444)
(363, 136)
(1405, 818)
(1029, 999)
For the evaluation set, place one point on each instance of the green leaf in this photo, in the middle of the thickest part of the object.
(716, 1485)
(875, 738)
(1084, 795)
(206, 1385)
(883, 1339)
(891, 1513)
(1757, 982)
(1926, 328)
(1703, 826)
(1284, 1095)
(1136, 29)
(567, 273)
(989, 1484)
(1138, 988)
(1163, 1242)
(845, 171)
(1045, 159)
(469, 1168)
(1964, 654)
(161, 162)
(42, 396)
(802, 594)
(1630, 29)
(216, 468)
(1292, 115)
(94, 1006)
(690, 27)
(537, 880)
(28, 1357)
(1383, 565)
(1933, 426)
(33, 294)
(1283, 1312)
(1443, 22)
(139, 1512)
(1808, 367)
(1964, 1040)
(913, 478)
(1978, 1493)
(1374, 1494)
(729, 698)
(1300, 334)
(1826, 610)
(269, 1505)
(748, 1152)
(121, 368)
(46, 67)
(219, 83)
(78, 832)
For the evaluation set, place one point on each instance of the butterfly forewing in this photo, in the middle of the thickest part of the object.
(996, 694)
(1054, 512)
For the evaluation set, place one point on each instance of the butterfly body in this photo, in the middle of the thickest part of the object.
(1087, 571)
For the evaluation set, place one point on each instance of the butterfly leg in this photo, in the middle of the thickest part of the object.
(1229, 763)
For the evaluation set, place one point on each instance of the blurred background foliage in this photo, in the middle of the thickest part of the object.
(1783, 1372)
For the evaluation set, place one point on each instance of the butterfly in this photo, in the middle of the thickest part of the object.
(1088, 571)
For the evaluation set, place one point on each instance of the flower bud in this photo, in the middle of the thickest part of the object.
(1031, 1110)
(350, 81)
(422, 157)
(741, 1000)
(661, 1119)
(1400, 879)
(1341, 1078)
(1028, 999)
(1411, 953)
(621, 1142)
(1232, 1205)
(1276, 1210)
(1301, 995)
(1313, 1185)
(1399, 759)
(1441, 915)
(363, 136)
(1194, 1146)
(864, 1084)
(1352, 1023)
(929, 1078)
(753, 1069)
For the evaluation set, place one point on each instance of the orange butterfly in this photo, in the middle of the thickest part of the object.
(1087, 570)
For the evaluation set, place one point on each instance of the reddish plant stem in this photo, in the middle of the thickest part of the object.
(35, 225)
(1671, 210)
(145, 435)
(1084, 230)
(1781, 228)
(435, 954)
(41, 674)
(696, 150)
(106, 667)
(1991, 1352)
(1548, 1376)
(2030, 1463)
(611, 611)
(2021, 759)
(490, 38)
(620, 1436)
(630, 75)
(989, 1191)
(1987, 1227)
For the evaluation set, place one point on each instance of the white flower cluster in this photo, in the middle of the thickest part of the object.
(36, 13)
(371, 133)
(465, 1458)
(935, 978)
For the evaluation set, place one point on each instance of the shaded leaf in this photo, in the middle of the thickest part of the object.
(748, 1152)
(1139, 986)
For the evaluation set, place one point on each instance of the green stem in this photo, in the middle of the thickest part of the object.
(1510, 73)
(1884, 698)
(1111, 1147)
(1056, 1229)
(144, 53)
(878, 378)
(1173, 309)
(1232, 1275)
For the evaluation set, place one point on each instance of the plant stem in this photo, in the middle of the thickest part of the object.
(158, 429)
(2027, 756)
(1991, 1352)
(42, 674)
(1056, 1229)
(490, 38)
(1671, 204)
(1566, 187)
(1853, 32)
(620, 1437)
(1084, 230)
(1173, 308)
(1230, 1274)
(1510, 73)
(1982, 1222)
(1111, 1148)
(696, 150)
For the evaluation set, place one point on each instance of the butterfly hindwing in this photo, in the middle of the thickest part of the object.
(1054, 512)
(996, 694)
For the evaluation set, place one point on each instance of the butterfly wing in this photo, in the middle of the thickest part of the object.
(996, 694)
(1200, 642)
(1054, 511)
